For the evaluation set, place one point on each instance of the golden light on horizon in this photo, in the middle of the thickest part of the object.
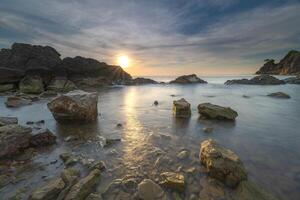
(123, 61)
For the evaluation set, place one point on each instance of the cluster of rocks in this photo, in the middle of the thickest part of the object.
(257, 80)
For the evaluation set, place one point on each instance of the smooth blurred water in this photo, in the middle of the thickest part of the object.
(266, 134)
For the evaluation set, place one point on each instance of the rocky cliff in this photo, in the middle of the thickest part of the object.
(289, 65)
(45, 61)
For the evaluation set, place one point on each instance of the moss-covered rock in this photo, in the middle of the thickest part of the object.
(31, 85)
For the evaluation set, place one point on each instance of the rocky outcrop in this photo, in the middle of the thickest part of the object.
(148, 190)
(188, 79)
(279, 95)
(141, 81)
(31, 85)
(75, 106)
(211, 111)
(48, 191)
(222, 163)
(292, 80)
(257, 80)
(61, 84)
(45, 61)
(289, 65)
(182, 108)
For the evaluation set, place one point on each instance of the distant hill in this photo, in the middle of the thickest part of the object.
(289, 65)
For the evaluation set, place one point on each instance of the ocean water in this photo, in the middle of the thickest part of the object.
(265, 135)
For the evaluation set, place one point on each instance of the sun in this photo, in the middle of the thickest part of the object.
(123, 61)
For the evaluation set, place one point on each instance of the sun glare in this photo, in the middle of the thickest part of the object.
(123, 61)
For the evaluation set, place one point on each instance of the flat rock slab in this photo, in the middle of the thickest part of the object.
(222, 163)
(211, 111)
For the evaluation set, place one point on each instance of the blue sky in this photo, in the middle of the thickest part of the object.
(161, 37)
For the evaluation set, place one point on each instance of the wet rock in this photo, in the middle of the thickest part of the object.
(15, 101)
(71, 138)
(257, 80)
(208, 129)
(8, 121)
(212, 189)
(111, 141)
(174, 181)
(48, 93)
(181, 108)
(141, 81)
(65, 156)
(100, 165)
(75, 106)
(155, 103)
(188, 79)
(94, 196)
(222, 163)
(49, 191)
(279, 95)
(291, 80)
(148, 190)
(84, 186)
(42, 138)
(61, 84)
(246, 96)
(69, 175)
(6, 87)
(211, 111)
(4, 180)
(184, 154)
(13, 139)
(119, 125)
(31, 85)
(68, 159)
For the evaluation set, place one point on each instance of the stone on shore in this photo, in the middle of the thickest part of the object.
(31, 85)
(257, 80)
(42, 138)
(61, 84)
(13, 139)
(174, 181)
(16, 101)
(279, 95)
(222, 163)
(148, 190)
(49, 191)
(182, 108)
(188, 79)
(211, 111)
(84, 186)
(75, 106)
(6, 87)
(8, 121)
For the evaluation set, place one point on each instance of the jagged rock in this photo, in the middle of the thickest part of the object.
(49, 191)
(75, 106)
(84, 186)
(257, 80)
(8, 121)
(148, 190)
(222, 163)
(292, 80)
(211, 111)
(141, 81)
(290, 64)
(174, 181)
(42, 138)
(188, 79)
(280, 95)
(181, 108)
(6, 87)
(13, 139)
(61, 84)
(31, 85)
(15, 101)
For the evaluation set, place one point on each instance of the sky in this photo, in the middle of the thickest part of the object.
(160, 37)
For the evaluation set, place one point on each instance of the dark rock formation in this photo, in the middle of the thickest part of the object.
(44, 137)
(292, 80)
(290, 64)
(188, 79)
(8, 120)
(141, 81)
(279, 95)
(45, 61)
(257, 80)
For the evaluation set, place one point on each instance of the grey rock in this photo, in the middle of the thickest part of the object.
(211, 111)
(279, 95)
(188, 79)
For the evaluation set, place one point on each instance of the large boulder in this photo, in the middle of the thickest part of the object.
(182, 108)
(188, 79)
(148, 190)
(31, 85)
(13, 139)
(48, 191)
(211, 111)
(61, 84)
(75, 106)
(257, 80)
(222, 163)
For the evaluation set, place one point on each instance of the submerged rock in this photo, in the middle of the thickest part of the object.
(84, 186)
(208, 129)
(184, 154)
(211, 111)
(257, 80)
(75, 106)
(8, 121)
(142, 81)
(13, 139)
(6, 87)
(148, 190)
(174, 181)
(188, 79)
(222, 163)
(181, 108)
(31, 85)
(292, 80)
(15, 102)
(280, 95)
(43, 137)
(69, 175)
(49, 191)
(61, 84)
